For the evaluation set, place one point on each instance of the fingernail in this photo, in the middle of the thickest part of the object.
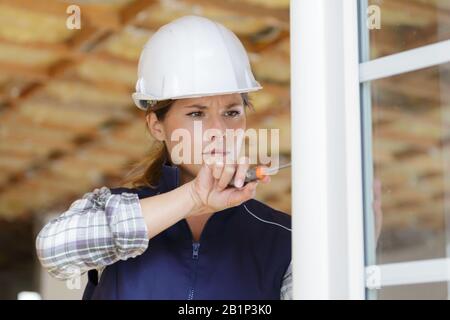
(239, 183)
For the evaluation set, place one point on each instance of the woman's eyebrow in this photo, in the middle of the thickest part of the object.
(233, 104)
(205, 107)
(196, 106)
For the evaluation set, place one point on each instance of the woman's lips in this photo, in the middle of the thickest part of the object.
(216, 152)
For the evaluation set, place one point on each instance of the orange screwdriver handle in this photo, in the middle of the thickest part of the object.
(253, 174)
(256, 173)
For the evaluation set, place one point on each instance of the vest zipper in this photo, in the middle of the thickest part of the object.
(195, 246)
(195, 249)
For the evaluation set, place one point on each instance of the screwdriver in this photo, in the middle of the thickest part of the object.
(259, 172)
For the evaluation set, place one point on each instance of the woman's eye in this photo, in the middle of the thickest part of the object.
(232, 113)
(195, 114)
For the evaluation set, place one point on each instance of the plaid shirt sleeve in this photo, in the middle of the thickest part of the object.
(96, 231)
(286, 287)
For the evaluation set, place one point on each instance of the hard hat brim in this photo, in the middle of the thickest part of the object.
(139, 98)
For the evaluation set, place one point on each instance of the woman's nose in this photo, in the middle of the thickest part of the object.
(218, 125)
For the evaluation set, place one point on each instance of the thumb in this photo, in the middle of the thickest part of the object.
(205, 173)
(239, 196)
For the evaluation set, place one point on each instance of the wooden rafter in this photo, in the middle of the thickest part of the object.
(82, 48)
(246, 9)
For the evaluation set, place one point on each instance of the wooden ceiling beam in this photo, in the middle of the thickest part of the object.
(417, 8)
(129, 13)
(247, 9)
(94, 136)
(80, 47)
(29, 73)
(100, 16)
(42, 6)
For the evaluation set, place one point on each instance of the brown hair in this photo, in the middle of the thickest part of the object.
(147, 171)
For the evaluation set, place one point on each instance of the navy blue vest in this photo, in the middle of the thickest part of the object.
(237, 257)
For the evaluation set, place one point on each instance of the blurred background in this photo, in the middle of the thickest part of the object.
(67, 120)
(411, 143)
(68, 124)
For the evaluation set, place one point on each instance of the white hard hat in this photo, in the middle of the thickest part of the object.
(192, 57)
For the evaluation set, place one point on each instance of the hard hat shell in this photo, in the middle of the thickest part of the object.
(192, 57)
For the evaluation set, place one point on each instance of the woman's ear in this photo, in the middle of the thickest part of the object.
(155, 126)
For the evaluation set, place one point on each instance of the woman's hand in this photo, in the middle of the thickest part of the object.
(211, 191)
(378, 212)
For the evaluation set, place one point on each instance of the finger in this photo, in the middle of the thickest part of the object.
(209, 160)
(205, 171)
(377, 189)
(266, 179)
(377, 195)
(227, 175)
(252, 188)
(239, 177)
(217, 169)
(241, 195)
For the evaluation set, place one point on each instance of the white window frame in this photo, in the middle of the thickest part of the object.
(327, 206)
(417, 271)
(327, 86)
(406, 61)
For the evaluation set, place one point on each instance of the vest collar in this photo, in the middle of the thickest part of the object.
(170, 180)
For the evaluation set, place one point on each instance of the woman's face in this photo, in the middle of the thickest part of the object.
(219, 113)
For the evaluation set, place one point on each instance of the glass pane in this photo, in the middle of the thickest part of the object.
(423, 291)
(407, 24)
(411, 154)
